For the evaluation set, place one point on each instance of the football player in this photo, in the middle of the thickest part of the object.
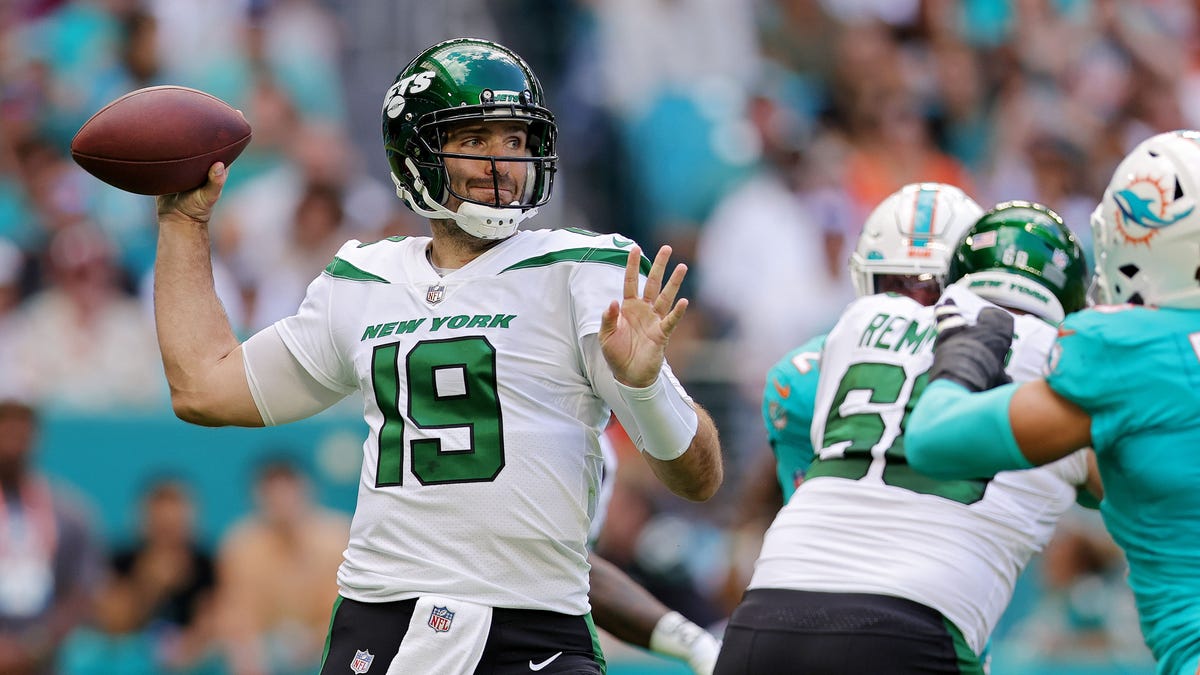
(488, 359)
(871, 566)
(1123, 377)
(904, 248)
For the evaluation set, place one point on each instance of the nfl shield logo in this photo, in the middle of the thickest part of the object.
(435, 294)
(362, 661)
(440, 618)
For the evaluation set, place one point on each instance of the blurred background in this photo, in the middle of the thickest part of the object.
(752, 135)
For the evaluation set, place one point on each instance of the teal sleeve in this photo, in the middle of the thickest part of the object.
(954, 433)
(787, 408)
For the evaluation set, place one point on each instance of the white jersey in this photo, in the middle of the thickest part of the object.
(864, 522)
(482, 463)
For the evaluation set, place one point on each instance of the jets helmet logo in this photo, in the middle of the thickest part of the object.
(393, 101)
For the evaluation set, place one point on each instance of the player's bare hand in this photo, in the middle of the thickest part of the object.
(195, 205)
(634, 331)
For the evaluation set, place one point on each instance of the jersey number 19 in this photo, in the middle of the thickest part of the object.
(451, 384)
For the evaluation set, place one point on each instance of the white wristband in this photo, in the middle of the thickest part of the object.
(675, 636)
(666, 421)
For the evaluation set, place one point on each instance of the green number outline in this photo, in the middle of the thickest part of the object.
(477, 408)
(885, 382)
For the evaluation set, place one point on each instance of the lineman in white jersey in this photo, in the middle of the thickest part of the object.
(488, 359)
(872, 567)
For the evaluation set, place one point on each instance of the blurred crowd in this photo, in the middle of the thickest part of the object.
(752, 135)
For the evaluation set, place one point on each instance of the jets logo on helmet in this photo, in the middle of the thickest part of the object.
(393, 102)
(1146, 230)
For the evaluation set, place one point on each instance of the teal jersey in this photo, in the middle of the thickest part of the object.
(1136, 371)
(788, 401)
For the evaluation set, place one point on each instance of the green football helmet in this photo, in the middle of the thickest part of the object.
(456, 81)
(1021, 255)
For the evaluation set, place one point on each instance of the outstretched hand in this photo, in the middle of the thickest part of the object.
(195, 205)
(971, 355)
(634, 331)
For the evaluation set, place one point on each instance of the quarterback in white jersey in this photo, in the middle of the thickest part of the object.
(489, 360)
(488, 365)
(881, 568)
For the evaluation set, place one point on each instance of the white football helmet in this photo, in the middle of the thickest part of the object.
(1146, 229)
(912, 233)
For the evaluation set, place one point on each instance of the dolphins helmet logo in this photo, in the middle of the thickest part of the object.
(1145, 206)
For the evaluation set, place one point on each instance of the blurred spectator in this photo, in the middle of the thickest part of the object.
(255, 230)
(198, 37)
(172, 577)
(84, 342)
(800, 36)
(12, 266)
(299, 41)
(115, 640)
(768, 224)
(1085, 611)
(49, 559)
(673, 73)
(315, 235)
(139, 49)
(892, 146)
(960, 104)
(277, 577)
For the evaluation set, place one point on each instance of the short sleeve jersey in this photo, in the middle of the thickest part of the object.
(481, 466)
(864, 521)
(1136, 371)
(788, 401)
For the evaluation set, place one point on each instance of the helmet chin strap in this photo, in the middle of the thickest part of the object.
(477, 220)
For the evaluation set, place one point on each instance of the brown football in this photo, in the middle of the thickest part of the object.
(159, 140)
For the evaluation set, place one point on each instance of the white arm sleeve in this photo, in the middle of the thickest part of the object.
(666, 427)
(282, 389)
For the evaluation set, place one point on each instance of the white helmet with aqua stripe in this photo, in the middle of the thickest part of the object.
(906, 243)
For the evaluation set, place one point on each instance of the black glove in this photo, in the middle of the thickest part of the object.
(971, 355)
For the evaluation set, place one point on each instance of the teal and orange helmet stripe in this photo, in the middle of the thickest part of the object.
(924, 209)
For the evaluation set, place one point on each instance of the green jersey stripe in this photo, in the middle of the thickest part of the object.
(341, 269)
(608, 256)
